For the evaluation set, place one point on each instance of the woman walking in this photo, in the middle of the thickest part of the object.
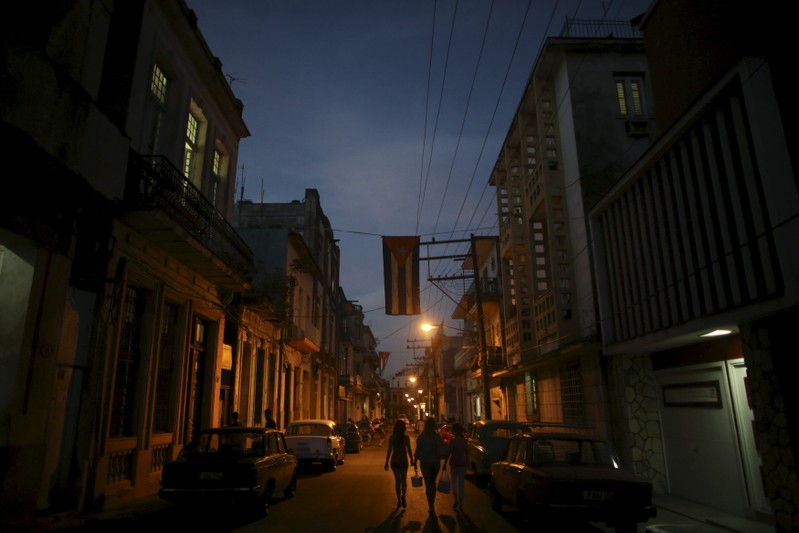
(457, 461)
(428, 454)
(400, 454)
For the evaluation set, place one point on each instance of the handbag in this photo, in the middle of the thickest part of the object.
(443, 483)
(416, 479)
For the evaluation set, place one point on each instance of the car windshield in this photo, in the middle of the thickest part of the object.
(565, 451)
(231, 443)
(317, 430)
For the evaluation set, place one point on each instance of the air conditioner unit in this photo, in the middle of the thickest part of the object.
(637, 128)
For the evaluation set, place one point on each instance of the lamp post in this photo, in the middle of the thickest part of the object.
(428, 328)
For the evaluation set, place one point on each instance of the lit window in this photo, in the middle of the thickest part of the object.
(190, 149)
(158, 84)
(629, 96)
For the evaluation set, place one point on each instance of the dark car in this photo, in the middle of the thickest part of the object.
(231, 465)
(487, 442)
(567, 479)
(353, 441)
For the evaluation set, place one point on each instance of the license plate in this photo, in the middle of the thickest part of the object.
(210, 475)
(599, 495)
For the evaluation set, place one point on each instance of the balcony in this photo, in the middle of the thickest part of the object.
(168, 210)
(489, 292)
(295, 337)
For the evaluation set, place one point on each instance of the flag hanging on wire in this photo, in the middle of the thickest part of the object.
(401, 275)
(383, 360)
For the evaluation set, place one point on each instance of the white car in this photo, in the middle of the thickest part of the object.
(315, 441)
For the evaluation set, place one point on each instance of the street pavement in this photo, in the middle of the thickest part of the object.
(359, 498)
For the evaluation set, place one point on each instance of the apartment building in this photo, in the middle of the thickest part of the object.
(118, 264)
(473, 391)
(360, 390)
(697, 240)
(297, 264)
(583, 119)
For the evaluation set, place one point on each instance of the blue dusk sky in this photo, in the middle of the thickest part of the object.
(395, 111)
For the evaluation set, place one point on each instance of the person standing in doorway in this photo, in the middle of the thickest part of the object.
(457, 460)
(428, 455)
(400, 455)
(269, 421)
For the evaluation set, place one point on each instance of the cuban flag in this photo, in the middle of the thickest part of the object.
(401, 275)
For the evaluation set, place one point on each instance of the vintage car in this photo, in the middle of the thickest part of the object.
(315, 441)
(487, 442)
(565, 478)
(353, 441)
(231, 465)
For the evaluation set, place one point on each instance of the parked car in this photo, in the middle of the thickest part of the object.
(316, 441)
(487, 442)
(567, 478)
(244, 466)
(353, 441)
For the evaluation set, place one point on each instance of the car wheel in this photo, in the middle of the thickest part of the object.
(262, 505)
(291, 490)
(331, 465)
(526, 515)
(496, 499)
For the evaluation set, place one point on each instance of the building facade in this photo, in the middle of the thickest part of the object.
(119, 263)
(582, 120)
(297, 263)
(698, 238)
(360, 394)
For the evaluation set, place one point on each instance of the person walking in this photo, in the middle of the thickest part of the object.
(457, 460)
(428, 455)
(399, 444)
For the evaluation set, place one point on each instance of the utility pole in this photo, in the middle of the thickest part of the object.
(430, 397)
(478, 293)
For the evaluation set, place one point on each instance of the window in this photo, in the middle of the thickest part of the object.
(191, 147)
(531, 393)
(127, 367)
(158, 85)
(629, 95)
(169, 354)
(156, 108)
(571, 391)
(216, 176)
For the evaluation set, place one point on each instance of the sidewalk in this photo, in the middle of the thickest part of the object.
(705, 515)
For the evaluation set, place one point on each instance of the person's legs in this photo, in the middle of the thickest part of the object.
(458, 483)
(430, 473)
(397, 485)
(403, 483)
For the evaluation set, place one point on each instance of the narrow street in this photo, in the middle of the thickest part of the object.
(357, 497)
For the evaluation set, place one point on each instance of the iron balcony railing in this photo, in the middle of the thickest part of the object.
(599, 29)
(155, 183)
